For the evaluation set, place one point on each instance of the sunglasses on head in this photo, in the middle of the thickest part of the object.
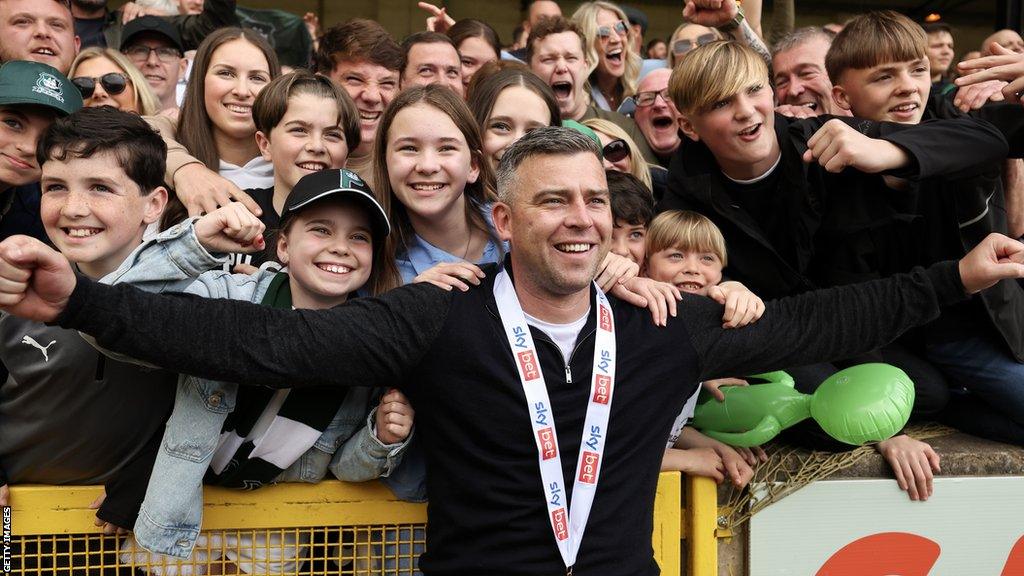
(684, 46)
(616, 150)
(112, 82)
(618, 28)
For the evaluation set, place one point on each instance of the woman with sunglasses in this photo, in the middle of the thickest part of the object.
(614, 62)
(106, 77)
(620, 154)
(687, 37)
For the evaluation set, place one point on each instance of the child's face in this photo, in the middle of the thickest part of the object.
(517, 111)
(891, 91)
(20, 129)
(429, 163)
(693, 272)
(629, 241)
(238, 71)
(329, 253)
(306, 140)
(739, 131)
(94, 213)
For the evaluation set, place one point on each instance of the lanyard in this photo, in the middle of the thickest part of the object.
(567, 523)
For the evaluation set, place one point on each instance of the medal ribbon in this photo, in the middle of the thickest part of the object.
(567, 523)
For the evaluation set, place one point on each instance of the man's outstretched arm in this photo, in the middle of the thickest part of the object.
(845, 321)
(367, 342)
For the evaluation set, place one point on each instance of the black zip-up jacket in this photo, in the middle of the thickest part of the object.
(848, 227)
(960, 213)
(487, 513)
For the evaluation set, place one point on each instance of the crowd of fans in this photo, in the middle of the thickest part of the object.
(176, 148)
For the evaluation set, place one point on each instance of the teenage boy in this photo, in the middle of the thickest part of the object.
(68, 414)
(32, 96)
(155, 47)
(362, 58)
(792, 225)
(979, 344)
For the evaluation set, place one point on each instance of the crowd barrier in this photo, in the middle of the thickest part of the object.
(328, 528)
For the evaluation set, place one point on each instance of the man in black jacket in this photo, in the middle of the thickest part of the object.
(470, 366)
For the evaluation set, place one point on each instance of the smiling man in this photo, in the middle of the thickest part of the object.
(802, 86)
(38, 30)
(431, 58)
(555, 51)
(516, 487)
(154, 46)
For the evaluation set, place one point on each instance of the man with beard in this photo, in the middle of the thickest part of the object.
(97, 26)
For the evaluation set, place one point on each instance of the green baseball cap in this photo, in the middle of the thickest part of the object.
(25, 82)
(583, 129)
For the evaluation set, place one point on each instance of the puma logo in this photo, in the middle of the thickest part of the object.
(32, 342)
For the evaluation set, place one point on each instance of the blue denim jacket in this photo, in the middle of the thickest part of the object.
(171, 514)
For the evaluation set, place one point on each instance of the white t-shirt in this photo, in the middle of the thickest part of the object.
(563, 335)
(257, 173)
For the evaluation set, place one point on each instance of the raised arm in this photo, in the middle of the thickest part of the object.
(195, 27)
(367, 342)
(729, 19)
(955, 147)
(845, 321)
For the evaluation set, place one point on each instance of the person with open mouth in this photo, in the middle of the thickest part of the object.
(38, 31)
(558, 53)
(614, 62)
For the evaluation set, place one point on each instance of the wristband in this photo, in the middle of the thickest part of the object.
(735, 22)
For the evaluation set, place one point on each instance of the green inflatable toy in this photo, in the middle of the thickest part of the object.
(863, 403)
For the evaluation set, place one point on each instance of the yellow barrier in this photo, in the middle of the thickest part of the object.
(301, 529)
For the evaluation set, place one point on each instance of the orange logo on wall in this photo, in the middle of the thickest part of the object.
(900, 554)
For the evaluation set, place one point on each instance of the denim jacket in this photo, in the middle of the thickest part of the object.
(171, 514)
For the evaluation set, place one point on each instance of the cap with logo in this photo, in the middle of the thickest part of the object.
(337, 183)
(25, 82)
(153, 25)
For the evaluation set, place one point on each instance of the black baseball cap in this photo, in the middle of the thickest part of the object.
(153, 24)
(337, 183)
(26, 82)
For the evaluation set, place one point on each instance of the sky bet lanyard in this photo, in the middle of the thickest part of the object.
(567, 528)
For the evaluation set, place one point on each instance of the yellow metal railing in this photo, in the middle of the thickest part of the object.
(301, 529)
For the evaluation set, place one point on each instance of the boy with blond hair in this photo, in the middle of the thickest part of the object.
(802, 203)
(978, 344)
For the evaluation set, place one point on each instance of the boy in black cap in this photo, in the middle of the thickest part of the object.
(155, 47)
(332, 234)
(32, 96)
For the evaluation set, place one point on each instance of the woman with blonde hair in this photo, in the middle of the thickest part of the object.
(688, 36)
(106, 77)
(621, 153)
(613, 60)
